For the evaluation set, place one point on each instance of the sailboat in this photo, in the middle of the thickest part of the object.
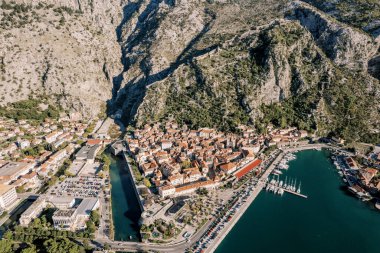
(299, 189)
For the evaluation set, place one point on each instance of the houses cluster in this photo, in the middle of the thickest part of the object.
(31, 152)
(285, 137)
(361, 178)
(179, 161)
(15, 137)
(77, 195)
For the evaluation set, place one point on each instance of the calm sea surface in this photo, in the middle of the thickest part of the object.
(330, 220)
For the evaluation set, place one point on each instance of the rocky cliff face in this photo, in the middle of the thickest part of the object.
(342, 44)
(66, 50)
(364, 15)
(204, 63)
(220, 76)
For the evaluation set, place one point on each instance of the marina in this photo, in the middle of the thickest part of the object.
(329, 212)
(278, 185)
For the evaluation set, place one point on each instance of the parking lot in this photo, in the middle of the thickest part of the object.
(84, 187)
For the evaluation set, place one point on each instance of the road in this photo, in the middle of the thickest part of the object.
(169, 247)
(181, 246)
(224, 232)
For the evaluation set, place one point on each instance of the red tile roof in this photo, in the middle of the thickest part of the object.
(248, 168)
(94, 142)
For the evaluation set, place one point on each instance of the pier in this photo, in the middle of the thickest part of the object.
(296, 193)
(278, 188)
(183, 245)
(260, 185)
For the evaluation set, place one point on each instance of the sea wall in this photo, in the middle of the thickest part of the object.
(129, 168)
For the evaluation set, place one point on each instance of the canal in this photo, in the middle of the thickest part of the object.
(330, 220)
(125, 207)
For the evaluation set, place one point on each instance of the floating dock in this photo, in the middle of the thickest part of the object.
(296, 193)
(277, 187)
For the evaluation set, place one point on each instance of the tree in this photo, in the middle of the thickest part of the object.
(8, 235)
(202, 191)
(186, 164)
(90, 227)
(95, 217)
(147, 182)
(37, 223)
(106, 162)
(86, 244)
(62, 246)
(6, 246)
(20, 189)
(31, 249)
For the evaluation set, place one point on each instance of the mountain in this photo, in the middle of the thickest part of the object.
(235, 62)
(64, 50)
(314, 64)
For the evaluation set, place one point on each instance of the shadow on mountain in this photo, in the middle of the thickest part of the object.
(129, 97)
(374, 67)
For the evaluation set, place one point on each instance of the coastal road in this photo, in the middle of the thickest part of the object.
(170, 247)
(258, 189)
(228, 227)
(181, 246)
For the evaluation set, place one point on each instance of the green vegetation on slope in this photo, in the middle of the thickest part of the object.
(358, 13)
(276, 76)
(28, 110)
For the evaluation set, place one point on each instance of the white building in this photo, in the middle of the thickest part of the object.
(13, 170)
(64, 219)
(74, 218)
(8, 196)
(176, 179)
(63, 202)
(32, 212)
(166, 145)
(24, 144)
(84, 210)
(166, 190)
(50, 138)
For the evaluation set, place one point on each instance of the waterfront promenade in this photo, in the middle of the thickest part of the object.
(261, 183)
(181, 246)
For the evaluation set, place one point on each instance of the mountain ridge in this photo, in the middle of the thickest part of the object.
(220, 64)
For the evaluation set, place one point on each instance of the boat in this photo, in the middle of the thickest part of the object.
(294, 186)
(360, 192)
(299, 189)
(377, 205)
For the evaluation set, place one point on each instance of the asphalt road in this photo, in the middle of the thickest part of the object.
(174, 247)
